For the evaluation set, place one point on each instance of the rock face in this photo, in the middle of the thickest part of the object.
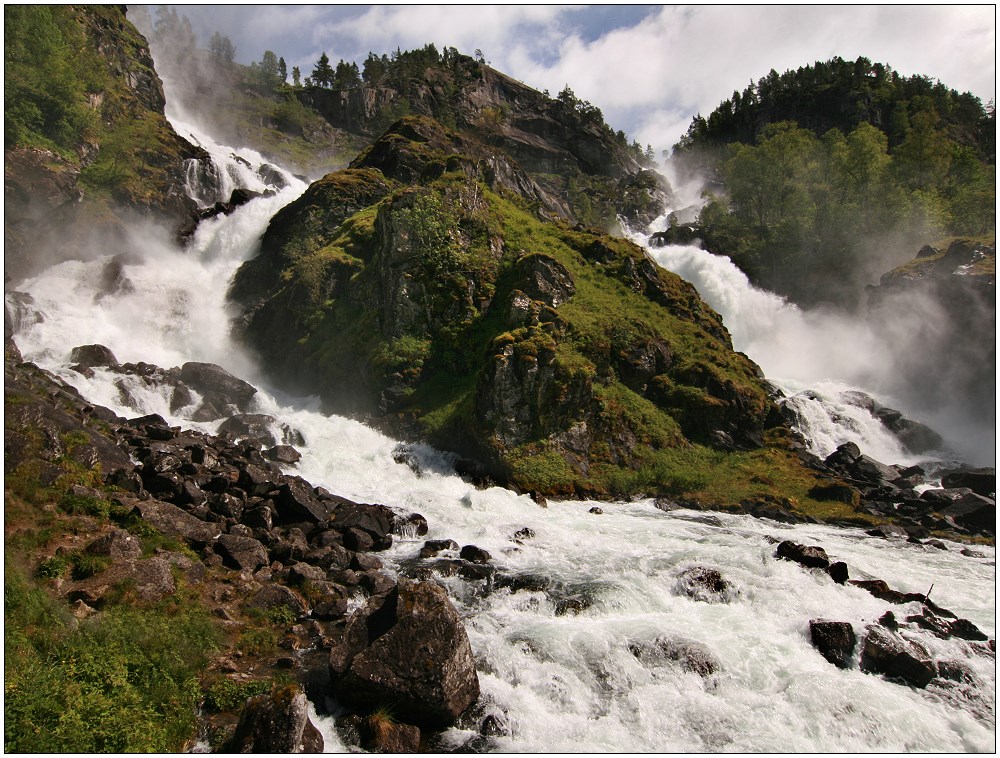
(458, 275)
(407, 650)
(47, 207)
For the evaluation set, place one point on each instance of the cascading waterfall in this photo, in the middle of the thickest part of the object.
(819, 360)
(575, 662)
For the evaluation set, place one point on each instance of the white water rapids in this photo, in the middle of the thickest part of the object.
(570, 683)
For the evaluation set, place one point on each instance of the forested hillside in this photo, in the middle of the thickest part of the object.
(822, 174)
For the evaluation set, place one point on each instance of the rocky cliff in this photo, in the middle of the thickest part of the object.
(81, 160)
(564, 144)
(425, 289)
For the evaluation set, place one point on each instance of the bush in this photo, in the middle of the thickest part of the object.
(230, 694)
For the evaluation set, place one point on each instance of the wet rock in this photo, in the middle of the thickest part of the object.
(844, 455)
(888, 620)
(94, 356)
(835, 640)
(357, 539)
(704, 584)
(218, 386)
(572, 605)
(283, 454)
(887, 653)
(382, 734)
(982, 481)
(276, 723)
(373, 519)
(888, 531)
(838, 572)
(522, 582)
(414, 525)
(966, 630)
(296, 501)
(972, 511)
(597, 511)
(880, 589)
(475, 554)
(808, 556)
(433, 547)
(692, 656)
(407, 648)
(524, 533)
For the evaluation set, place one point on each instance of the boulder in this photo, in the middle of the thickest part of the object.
(174, 522)
(474, 554)
(835, 640)
(117, 545)
(217, 386)
(149, 579)
(375, 520)
(296, 501)
(973, 512)
(252, 426)
(93, 355)
(407, 650)
(838, 572)
(982, 481)
(871, 470)
(283, 454)
(241, 552)
(886, 652)
(692, 656)
(273, 595)
(808, 556)
(276, 723)
(704, 584)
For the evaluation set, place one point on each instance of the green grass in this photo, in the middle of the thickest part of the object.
(125, 681)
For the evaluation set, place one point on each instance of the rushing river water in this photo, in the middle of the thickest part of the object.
(595, 678)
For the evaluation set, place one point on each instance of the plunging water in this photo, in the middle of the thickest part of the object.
(580, 661)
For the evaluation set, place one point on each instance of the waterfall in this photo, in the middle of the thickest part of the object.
(590, 656)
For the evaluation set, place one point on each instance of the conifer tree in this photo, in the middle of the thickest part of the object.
(323, 74)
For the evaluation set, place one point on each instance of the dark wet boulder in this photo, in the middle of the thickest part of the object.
(870, 470)
(413, 525)
(838, 572)
(217, 386)
(835, 641)
(375, 520)
(704, 584)
(407, 650)
(283, 454)
(432, 547)
(252, 426)
(966, 630)
(475, 554)
(809, 556)
(880, 589)
(888, 653)
(973, 512)
(844, 455)
(982, 481)
(277, 722)
(94, 356)
(694, 657)
(296, 500)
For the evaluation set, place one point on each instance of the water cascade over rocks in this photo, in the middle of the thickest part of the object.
(629, 627)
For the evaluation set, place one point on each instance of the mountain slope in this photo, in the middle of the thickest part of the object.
(424, 289)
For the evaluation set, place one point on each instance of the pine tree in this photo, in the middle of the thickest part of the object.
(282, 70)
(323, 74)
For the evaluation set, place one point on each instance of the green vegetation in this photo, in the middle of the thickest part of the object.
(126, 681)
(49, 77)
(825, 192)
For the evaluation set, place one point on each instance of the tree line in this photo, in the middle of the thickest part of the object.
(812, 212)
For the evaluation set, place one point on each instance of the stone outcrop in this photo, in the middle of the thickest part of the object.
(49, 215)
(407, 650)
(445, 277)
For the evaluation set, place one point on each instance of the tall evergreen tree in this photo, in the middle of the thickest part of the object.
(323, 74)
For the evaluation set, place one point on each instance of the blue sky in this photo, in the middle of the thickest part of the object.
(649, 68)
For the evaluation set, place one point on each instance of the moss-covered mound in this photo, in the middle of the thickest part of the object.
(435, 300)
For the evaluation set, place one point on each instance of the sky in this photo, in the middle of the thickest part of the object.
(649, 68)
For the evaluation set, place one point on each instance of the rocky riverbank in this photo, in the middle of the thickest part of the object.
(167, 508)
